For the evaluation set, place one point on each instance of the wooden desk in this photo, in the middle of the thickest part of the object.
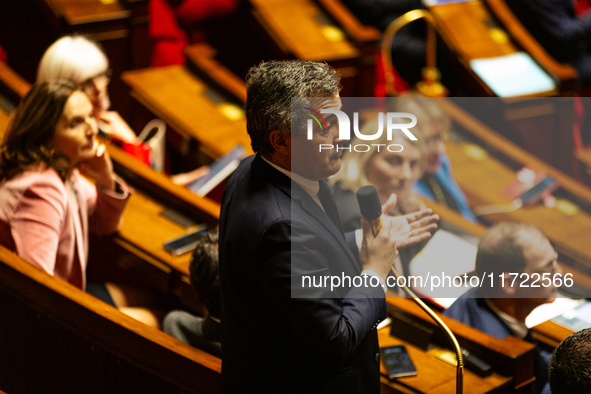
(188, 105)
(482, 179)
(314, 37)
(76, 343)
(511, 358)
(434, 375)
(366, 38)
(12, 88)
(471, 32)
(144, 230)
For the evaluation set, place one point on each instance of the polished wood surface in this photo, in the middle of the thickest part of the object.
(4, 120)
(434, 375)
(471, 31)
(482, 180)
(318, 37)
(464, 24)
(177, 96)
(11, 82)
(202, 57)
(44, 319)
(76, 12)
(511, 358)
(307, 39)
(358, 32)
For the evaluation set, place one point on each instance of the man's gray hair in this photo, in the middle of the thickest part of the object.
(270, 88)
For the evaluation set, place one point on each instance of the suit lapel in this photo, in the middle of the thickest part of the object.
(301, 198)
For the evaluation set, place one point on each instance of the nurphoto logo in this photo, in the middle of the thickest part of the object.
(392, 120)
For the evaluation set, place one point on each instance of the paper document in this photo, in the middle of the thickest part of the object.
(513, 75)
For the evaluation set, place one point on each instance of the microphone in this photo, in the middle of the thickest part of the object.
(370, 207)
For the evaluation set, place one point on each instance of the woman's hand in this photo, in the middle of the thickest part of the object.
(99, 169)
(113, 124)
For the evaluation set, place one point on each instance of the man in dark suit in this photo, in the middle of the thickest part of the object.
(499, 308)
(278, 226)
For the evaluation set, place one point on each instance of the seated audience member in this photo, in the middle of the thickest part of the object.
(82, 61)
(437, 183)
(202, 333)
(175, 23)
(390, 172)
(500, 308)
(570, 366)
(47, 207)
(564, 35)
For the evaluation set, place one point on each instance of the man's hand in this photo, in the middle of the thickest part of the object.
(413, 228)
(397, 232)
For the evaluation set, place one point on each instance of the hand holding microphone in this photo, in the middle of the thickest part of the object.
(384, 235)
(408, 230)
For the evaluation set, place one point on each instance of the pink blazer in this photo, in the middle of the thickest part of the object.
(46, 221)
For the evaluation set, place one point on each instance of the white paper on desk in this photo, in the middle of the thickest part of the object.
(446, 254)
(546, 312)
(576, 318)
(513, 75)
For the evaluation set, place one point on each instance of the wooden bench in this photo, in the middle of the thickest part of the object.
(57, 338)
(512, 359)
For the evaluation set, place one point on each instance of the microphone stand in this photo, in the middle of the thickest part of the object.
(441, 324)
(369, 205)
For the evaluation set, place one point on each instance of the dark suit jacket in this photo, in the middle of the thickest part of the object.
(271, 234)
(472, 310)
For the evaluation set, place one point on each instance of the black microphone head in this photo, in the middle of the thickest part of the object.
(369, 202)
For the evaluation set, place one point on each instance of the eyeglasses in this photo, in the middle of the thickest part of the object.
(550, 267)
(437, 138)
(101, 79)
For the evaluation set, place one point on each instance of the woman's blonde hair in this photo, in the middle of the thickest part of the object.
(353, 172)
(424, 108)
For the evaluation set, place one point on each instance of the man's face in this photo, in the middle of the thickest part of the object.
(541, 266)
(306, 158)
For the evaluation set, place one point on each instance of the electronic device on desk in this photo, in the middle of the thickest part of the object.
(186, 242)
(530, 186)
(219, 170)
(397, 362)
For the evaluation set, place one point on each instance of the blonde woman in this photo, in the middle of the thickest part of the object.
(394, 168)
(78, 59)
(437, 183)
